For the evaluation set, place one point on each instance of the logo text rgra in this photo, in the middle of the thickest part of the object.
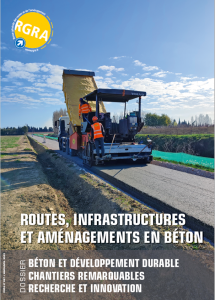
(32, 30)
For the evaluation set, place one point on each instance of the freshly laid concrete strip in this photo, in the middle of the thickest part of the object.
(162, 188)
(191, 194)
(51, 144)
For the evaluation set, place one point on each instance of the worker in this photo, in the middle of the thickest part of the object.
(97, 133)
(84, 109)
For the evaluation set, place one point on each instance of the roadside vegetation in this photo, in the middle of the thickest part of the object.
(186, 165)
(8, 142)
(177, 130)
(195, 144)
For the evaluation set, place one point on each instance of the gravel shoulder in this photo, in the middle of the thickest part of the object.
(185, 169)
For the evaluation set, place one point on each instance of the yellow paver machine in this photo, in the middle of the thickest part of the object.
(74, 135)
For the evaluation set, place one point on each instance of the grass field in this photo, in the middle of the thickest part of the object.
(9, 142)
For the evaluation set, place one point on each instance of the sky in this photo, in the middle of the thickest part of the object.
(165, 48)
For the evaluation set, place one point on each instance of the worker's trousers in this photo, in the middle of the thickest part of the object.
(85, 117)
(99, 141)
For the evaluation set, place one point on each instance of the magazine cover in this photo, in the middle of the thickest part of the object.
(107, 150)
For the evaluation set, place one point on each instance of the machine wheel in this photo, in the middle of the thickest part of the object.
(60, 145)
(148, 159)
(80, 153)
(89, 160)
(85, 161)
(88, 151)
(67, 148)
(73, 152)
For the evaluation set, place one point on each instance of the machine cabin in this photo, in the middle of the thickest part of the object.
(128, 126)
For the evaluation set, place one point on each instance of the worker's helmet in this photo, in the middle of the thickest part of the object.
(95, 119)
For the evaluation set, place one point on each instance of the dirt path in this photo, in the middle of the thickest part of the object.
(25, 189)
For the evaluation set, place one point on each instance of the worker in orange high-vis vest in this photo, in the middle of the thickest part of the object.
(84, 109)
(98, 133)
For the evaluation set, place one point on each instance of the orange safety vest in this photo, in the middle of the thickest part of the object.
(97, 130)
(84, 109)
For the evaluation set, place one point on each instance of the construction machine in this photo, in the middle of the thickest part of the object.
(74, 136)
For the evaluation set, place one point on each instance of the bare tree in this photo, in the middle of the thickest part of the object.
(56, 115)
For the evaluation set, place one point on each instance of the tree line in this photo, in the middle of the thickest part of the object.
(201, 120)
(14, 130)
(153, 119)
(149, 119)
(40, 129)
(23, 130)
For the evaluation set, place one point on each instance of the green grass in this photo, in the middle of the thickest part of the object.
(8, 154)
(27, 149)
(186, 165)
(8, 142)
(69, 221)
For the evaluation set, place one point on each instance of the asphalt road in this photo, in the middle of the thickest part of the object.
(191, 194)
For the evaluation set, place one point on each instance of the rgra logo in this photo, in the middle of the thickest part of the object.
(26, 29)
(32, 30)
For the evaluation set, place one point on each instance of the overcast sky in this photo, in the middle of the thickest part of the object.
(165, 48)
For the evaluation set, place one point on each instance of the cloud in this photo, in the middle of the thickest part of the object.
(8, 88)
(150, 68)
(55, 45)
(104, 83)
(172, 95)
(110, 69)
(144, 66)
(43, 81)
(161, 74)
(43, 78)
(44, 69)
(46, 94)
(29, 89)
(118, 57)
(188, 78)
(21, 99)
(16, 69)
(3, 45)
(145, 74)
(33, 72)
(52, 101)
(11, 66)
